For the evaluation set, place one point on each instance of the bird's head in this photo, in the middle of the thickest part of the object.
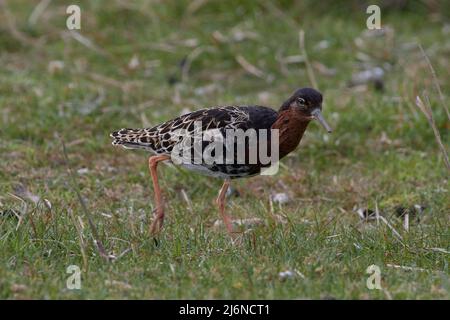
(307, 103)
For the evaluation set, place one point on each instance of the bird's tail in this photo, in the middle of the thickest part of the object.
(134, 139)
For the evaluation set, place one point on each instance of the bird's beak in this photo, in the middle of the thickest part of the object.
(318, 116)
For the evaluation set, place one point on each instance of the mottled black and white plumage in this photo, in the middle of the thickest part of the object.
(160, 139)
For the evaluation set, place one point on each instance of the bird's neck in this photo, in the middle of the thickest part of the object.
(291, 126)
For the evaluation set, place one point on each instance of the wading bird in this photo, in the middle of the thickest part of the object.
(290, 123)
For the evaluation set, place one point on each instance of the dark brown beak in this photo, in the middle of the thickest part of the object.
(318, 116)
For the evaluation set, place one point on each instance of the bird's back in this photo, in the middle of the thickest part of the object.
(162, 139)
(158, 139)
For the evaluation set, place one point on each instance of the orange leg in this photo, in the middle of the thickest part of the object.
(221, 204)
(158, 217)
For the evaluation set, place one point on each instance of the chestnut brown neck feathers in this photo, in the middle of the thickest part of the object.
(291, 125)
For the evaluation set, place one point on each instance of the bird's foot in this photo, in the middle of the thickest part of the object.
(157, 223)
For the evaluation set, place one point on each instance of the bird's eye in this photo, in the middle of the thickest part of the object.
(301, 101)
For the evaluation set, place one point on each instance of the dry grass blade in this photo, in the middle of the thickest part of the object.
(15, 32)
(95, 235)
(187, 200)
(107, 80)
(124, 252)
(435, 81)
(80, 238)
(440, 250)
(395, 232)
(426, 109)
(37, 11)
(87, 42)
(195, 5)
(22, 195)
(190, 58)
(377, 213)
(406, 222)
(387, 293)
(309, 69)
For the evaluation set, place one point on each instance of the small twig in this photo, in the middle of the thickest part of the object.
(426, 109)
(33, 226)
(438, 250)
(406, 222)
(13, 30)
(383, 219)
(94, 232)
(280, 14)
(435, 81)
(396, 266)
(37, 11)
(123, 253)
(25, 212)
(75, 142)
(106, 80)
(301, 275)
(87, 42)
(195, 5)
(309, 69)
(250, 68)
(387, 293)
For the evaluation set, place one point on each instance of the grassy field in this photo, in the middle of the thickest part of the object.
(138, 63)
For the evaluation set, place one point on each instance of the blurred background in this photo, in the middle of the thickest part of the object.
(139, 63)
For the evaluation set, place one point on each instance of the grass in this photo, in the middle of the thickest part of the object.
(382, 152)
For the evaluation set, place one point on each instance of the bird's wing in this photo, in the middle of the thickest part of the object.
(162, 138)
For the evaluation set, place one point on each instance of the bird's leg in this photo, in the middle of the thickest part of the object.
(159, 205)
(221, 204)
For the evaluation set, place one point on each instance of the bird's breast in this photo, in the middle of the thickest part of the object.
(291, 128)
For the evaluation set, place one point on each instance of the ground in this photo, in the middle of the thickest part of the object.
(136, 64)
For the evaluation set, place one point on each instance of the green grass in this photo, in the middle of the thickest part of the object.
(382, 153)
